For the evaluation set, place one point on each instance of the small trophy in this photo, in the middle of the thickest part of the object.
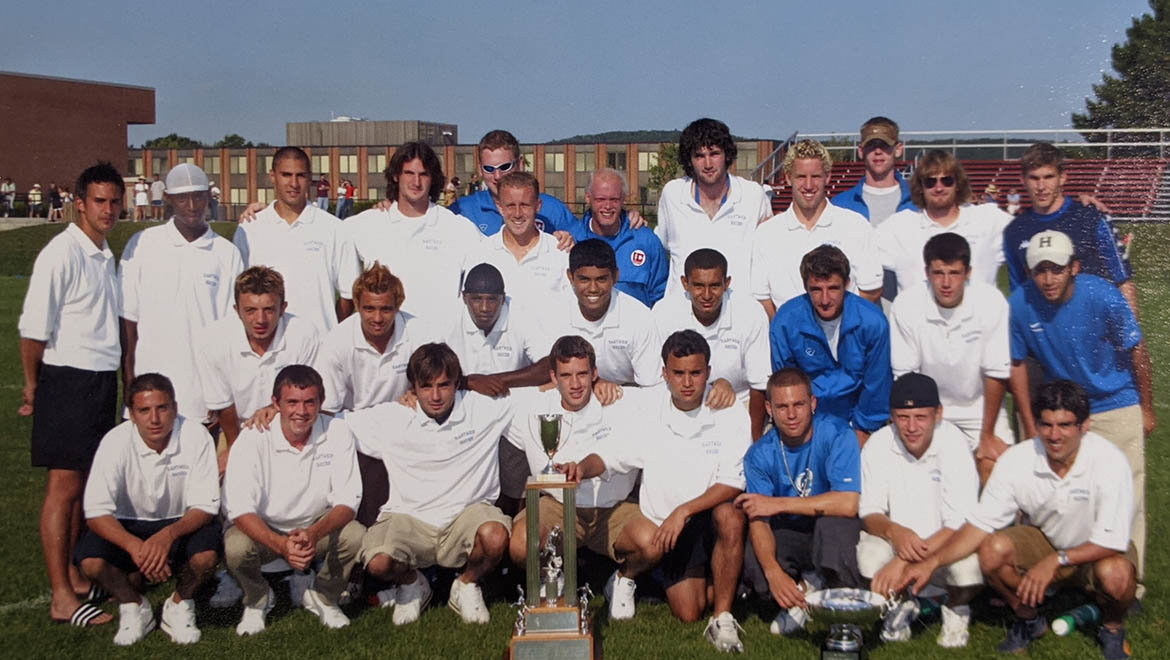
(846, 611)
(550, 440)
(552, 572)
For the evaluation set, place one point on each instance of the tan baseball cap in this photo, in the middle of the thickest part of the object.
(885, 133)
(1051, 246)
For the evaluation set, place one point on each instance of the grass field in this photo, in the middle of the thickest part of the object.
(25, 630)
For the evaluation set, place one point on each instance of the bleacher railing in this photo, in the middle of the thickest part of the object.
(1010, 143)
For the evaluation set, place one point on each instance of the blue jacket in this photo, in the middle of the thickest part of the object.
(481, 210)
(853, 199)
(643, 264)
(855, 387)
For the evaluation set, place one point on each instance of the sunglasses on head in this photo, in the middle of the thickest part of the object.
(503, 167)
(930, 181)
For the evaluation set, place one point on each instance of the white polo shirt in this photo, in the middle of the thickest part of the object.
(582, 433)
(625, 338)
(1093, 502)
(683, 227)
(902, 236)
(681, 454)
(738, 339)
(514, 342)
(131, 481)
(958, 348)
(290, 488)
(313, 254)
(356, 375)
(436, 470)
(925, 494)
(541, 273)
(173, 289)
(781, 243)
(232, 373)
(73, 302)
(429, 254)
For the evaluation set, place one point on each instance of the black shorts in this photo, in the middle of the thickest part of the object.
(691, 552)
(72, 410)
(207, 537)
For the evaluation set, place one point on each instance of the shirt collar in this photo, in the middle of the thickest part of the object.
(681, 422)
(612, 318)
(178, 240)
(501, 325)
(281, 444)
(358, 337)
(458, 414)
(245, 347)
(428, 219)
(87, 245)
(142, 449)
(1041, 467)
(965, 311)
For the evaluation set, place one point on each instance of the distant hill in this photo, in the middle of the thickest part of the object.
(628, 136)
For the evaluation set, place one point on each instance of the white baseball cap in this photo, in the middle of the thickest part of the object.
(1051, 246)
(185, 178)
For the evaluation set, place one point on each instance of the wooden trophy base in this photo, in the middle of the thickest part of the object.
(553, 633)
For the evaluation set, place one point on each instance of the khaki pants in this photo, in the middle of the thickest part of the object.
(597, 528)
(1123, 427)
(412, 542)
(336, 552)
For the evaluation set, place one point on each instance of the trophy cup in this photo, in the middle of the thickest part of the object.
(555, 626)
(550, 440)
(846, 611)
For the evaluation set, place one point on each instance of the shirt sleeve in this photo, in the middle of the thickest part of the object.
(905, 353)
(1012, 257)
(997, 356)
(202, 485)
(46, 295)
(756, 350)
(759, 476)
(1124, 331)
(368, 428)
(345, 260)
(844, 464)
(243, 479)
(1113, 517)
(1017, 323)
(212, 372)
(730, 470)
(240, 240)
(997, 507)
(873, 403)
(887, 246)
(866, 268)
(1113, 267)
(328, 364)
(960, 481)
(128, 278)
(761, 290)
(105, 479)
(646, 353)
(781, 353)
(874, 489)
(660, 271)
(344, 479)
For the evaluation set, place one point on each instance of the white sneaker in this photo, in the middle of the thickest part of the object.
(252, 622)
(178, 621)
(298, 583)
(619, 591)
(134, 621)
(386, 597)
(955, 624)
(410, 600)
(896, 627)
(789, 621)
(723, 632)
(467, 600)
(330, 615)
(227, 590)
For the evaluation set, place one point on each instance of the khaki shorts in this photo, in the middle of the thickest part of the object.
(410, 541)
(597, 528)
(1031, 546)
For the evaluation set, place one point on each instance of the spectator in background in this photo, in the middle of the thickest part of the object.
(54, 202)
(8, 195)
(450, 191)
(340, 205)
(213, 203)
(157, 188)
(34, 201)
(141, 199)
(1013, 201)
(323, 187)
(989, 194)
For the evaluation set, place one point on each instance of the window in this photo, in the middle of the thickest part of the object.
(616, 158)
(211, 164)
(264, 195)
(136, 166)
(373, 193)
(555, 191)
(375, 163)
(528, 160)
(239, 196)
(554, 162)
(580, 194)
(647, 160)
(238, 164)
(746, 161)
(320, 164)
(266, 163)
(586, 161)
(157, 163)
(347, 164)
(465, 163)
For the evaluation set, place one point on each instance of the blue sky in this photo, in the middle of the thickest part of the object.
(546, 70)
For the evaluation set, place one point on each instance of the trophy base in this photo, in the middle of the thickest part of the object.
(844, 643)
(553, 633)
(554, 478)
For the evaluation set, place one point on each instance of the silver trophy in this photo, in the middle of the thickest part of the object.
(552, 564)
(550, 441)
(846, 611)
(519, 628)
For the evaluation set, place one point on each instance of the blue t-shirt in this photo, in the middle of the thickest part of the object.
(1087, 340)
(829, 462)
(481, 210)
(854, 386)
(1089, 230)
(643, 264)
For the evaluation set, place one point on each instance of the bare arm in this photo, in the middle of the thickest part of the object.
(1129, 292)
(337, 518)
(31, 353)
(257, 530)
(1143, 375)
(344, 308)
(834, 503)
(129, 346)
(958, 545)
(990, 445)
(873, 295)
(769, 308)
(1023, 397)
(757, 413)
(783, 588)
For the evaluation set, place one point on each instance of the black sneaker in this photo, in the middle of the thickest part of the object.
(1114, 645)
(1021, 634)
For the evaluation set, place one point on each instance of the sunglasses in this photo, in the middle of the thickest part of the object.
(930, 181)
(503, 167)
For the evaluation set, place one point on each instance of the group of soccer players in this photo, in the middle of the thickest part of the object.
(754, 405)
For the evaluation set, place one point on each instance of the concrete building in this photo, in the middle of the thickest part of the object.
(56, 127)
(352, 132)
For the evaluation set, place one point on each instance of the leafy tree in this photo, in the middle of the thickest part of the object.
(172, 141)
(234, 141)
(1139, 96)
(668, 166)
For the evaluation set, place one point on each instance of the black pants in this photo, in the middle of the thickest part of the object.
(827, 545)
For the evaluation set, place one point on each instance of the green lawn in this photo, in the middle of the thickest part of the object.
(25, 630)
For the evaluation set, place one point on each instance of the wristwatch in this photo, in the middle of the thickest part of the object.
(1062, 558)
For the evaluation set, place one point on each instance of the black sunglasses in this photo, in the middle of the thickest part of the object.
(930, 181)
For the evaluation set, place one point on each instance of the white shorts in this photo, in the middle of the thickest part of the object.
(973, 427)
(874, 552)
